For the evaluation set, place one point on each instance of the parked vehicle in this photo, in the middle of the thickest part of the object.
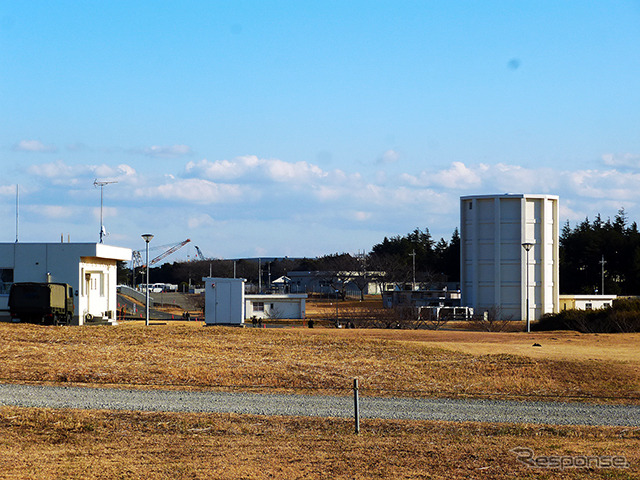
(44, 303)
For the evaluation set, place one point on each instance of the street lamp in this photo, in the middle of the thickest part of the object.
(527, 246)
(147, 238)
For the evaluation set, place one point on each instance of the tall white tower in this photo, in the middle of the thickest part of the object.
(496, 270)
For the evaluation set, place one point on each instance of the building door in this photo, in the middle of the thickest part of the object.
(95, 290)
(223, 303)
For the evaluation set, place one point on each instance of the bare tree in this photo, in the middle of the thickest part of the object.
(491, 320)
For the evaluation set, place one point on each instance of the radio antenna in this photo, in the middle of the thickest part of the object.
(96, 183)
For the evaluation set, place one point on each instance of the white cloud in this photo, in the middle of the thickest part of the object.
(360, 216)
(56, 211)
(7, 190)
(61, 173)
(222, 169)
(200, 220)
(303, 172)
(255, 169)
(458, 176)
(607, 184)
(107, 212)
(34, 146)
(301, 196)
(390, 156)
(57, 169)
(193, 190)
(166, 151)
(51, 211)
(623, 160)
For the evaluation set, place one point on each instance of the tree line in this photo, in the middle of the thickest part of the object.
(585, 247)
(435, 261)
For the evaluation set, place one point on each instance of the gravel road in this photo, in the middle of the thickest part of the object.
(554, 413)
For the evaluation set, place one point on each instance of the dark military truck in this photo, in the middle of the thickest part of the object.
(44, 303)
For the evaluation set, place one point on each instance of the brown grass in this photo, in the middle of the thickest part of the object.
(44, 444)
(400, 363)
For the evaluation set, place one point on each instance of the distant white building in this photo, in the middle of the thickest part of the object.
(90, 268)
(276, 306)
(586, 302)
(496, 270)
(326, 282)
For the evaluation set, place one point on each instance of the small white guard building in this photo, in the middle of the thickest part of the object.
(276, 306)
(586, 302)
(90, 268)
(223, 301)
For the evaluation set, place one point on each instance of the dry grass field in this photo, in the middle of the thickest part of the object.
(41, 443)
(48, 444)
(601, 368)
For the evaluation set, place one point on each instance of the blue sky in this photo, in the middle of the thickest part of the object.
(305, 128)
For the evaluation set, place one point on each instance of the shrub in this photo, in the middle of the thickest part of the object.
(622, 317)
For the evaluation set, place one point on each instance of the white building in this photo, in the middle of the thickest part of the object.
(276, 306)
(586, 302)
(90, 268)
(496, 271)
(326, 282)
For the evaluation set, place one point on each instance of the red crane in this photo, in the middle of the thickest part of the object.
(171, 248)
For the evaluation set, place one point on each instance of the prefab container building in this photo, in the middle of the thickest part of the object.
(498, 274)
(223, 301)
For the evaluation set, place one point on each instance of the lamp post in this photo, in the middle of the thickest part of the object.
(527, 246)
(147, 238)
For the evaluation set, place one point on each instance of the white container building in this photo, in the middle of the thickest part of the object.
(223, 301)
(497, 273)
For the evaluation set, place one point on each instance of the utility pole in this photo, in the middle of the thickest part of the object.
(17, 209)
(602, 262)
(413, 254)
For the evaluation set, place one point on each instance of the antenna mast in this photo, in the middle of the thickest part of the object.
(96, 183)
(17, 209)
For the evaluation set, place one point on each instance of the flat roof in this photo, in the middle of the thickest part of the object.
(511, 195)
(275, 296)
(82, 249)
